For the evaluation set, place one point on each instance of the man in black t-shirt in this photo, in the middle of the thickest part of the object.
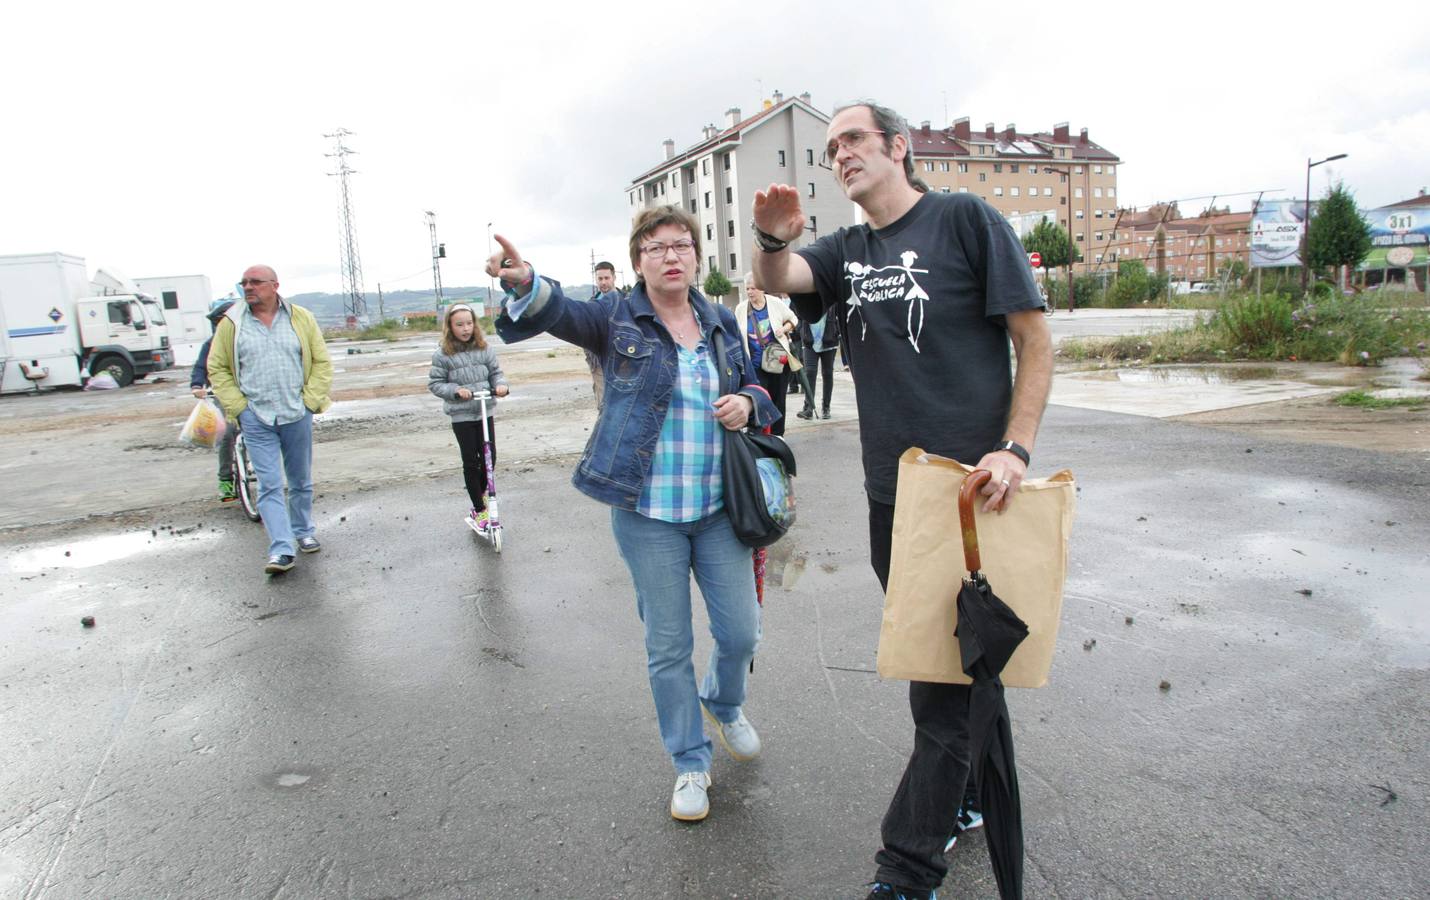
(928, 295)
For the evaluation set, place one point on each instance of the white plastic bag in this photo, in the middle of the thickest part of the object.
(204, 427)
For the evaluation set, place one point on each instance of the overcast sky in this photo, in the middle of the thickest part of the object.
(183, 138)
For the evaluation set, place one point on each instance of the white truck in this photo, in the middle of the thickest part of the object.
(54, 330)
(185, 299)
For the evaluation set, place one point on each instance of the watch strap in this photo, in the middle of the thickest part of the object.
(1016, 449)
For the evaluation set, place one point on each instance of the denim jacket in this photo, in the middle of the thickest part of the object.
(639, 360)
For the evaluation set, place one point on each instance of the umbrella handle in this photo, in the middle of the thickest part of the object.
(966, 495)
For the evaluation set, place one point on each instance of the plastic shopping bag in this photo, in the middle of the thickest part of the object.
(204, 427)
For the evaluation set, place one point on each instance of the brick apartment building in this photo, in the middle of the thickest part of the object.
(1027, 176)
(716, 179)
(1185, 248)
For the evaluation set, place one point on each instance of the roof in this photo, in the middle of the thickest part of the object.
(1422, 200)
(941, 142)
(729, 135)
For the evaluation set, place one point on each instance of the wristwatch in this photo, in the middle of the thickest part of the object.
(1016, 449)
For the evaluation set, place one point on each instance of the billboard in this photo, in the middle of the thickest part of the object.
(1276, 229)
(1399, 236)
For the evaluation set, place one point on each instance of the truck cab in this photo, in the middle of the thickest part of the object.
(125, 335)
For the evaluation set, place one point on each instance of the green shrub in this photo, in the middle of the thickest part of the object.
(1262, 325)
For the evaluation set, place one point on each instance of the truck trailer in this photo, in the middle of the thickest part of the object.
(54, 331)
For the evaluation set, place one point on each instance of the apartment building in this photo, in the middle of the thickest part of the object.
(1027, 176)
(716, 178)
(1185, 248)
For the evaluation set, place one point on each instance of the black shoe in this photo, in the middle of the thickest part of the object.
(881, 891)
(806, 413)
(824, 413)
(277, 565)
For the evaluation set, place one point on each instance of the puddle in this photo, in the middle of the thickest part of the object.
(84, 554)
(291, 777)
(1386, 587)
(1195, 374)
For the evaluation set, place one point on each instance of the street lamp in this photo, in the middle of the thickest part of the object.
(1072, 248)
(491, 290)
(1306, 221)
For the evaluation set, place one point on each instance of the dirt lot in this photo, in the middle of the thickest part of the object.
(70, 455)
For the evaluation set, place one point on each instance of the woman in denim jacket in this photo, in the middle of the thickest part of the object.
(654, 458)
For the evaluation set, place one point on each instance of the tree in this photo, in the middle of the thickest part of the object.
(1337, 236)
(717, 286)
(1133, 284)
(1049, 240)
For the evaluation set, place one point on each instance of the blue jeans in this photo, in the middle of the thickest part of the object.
(661, 557)
(276, 451)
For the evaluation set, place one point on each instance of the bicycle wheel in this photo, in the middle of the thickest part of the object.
(245, 480)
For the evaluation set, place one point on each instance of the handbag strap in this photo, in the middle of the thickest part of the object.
(717, 337)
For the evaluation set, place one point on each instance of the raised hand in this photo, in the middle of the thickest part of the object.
(777, 212)
(508, 266)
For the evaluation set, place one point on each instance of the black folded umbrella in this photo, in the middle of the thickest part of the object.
(988, 632)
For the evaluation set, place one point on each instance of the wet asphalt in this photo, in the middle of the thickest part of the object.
(407, 714)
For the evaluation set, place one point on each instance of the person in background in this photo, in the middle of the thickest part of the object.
(465, 362)
(605, 290)
(821, 340)
(766, 321)
(269, 366)
(198, 383)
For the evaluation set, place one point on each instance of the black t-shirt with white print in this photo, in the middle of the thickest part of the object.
(921, 305)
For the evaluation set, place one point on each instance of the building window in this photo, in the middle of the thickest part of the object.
(1112, 192)
(998, 167)
(707, 199)
(1098, 258)
(782, 159)
(1077, 170)
(1014, 192)
(729, 194)
(1097, 213)
(712, 263)
(1079, 237)
(1077, 192)
(928, 165)
(1097, 170)
(1062, 153)
(693, 206)
(1047, 192)
(813, 224)
(1097, 235)
(808, 157)
(982, 149)
(963, 167)
(944, 189)
(982, 176)
(734, 263)
(811, 190)
(727, 161)
(1097, 192)
(963, 190)
(1013, 168)
(997, 192)
(943, 166)
(1032, 170)
(1079, 214)
(1109, 170)
(690, 176)
(705, 166)
(729, 228)
(1062, 201)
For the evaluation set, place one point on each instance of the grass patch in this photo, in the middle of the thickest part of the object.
(1339, 329)
(396, 329)
(1366, 401)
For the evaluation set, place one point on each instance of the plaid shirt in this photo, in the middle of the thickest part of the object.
(270, 367)
(684, 483)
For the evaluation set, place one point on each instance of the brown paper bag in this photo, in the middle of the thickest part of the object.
(1024, 556)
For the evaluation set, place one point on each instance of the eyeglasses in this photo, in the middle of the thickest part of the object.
(254, 281)
(849, 140)
(658, 250)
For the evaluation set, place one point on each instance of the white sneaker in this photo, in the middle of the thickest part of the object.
(690, 802)
(738, 737)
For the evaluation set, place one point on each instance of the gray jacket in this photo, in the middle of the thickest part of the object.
(474, 370)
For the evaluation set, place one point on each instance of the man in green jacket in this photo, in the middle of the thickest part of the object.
(269, 367)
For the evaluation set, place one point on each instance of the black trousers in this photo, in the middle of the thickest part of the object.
(474, 467)
(922, 815)
(777, 385)
(822, 362)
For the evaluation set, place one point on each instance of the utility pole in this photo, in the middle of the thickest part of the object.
(491, 282)
(439, 251)
(354, 300)
(1306, 222)
(1072, 248)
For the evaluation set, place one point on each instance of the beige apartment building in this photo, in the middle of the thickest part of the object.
(1027, 177)
(716, 178)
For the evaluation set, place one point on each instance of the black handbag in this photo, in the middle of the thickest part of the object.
(757, 470)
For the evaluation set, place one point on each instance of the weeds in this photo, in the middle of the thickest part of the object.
(1367, 401)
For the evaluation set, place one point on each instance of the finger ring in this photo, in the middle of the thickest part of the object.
(506, 264)
(1006, 482)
